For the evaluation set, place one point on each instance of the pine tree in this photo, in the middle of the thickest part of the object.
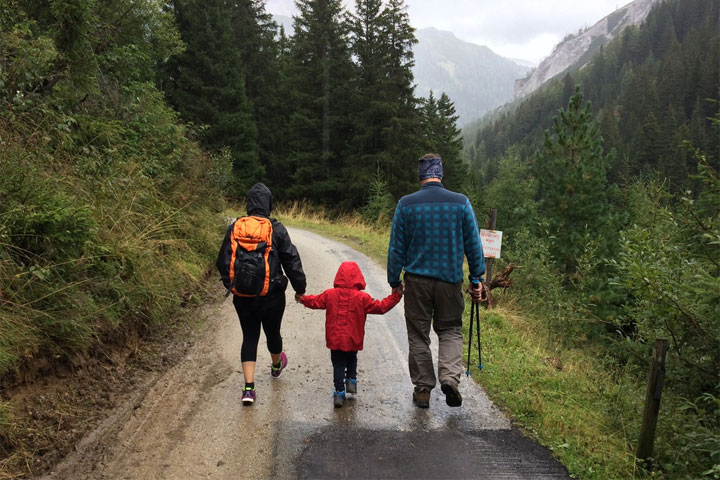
(387, 136)
(280, 166)
(322, 101)
(441, 135)
(404, 133)
(206, 84)
(254, 35)
(571, 173)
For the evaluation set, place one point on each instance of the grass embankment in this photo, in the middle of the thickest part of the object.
(573, 401)
(106, 227)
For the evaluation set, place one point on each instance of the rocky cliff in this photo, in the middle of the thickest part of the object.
(576, 50)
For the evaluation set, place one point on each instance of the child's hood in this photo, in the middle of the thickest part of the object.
(349, 276)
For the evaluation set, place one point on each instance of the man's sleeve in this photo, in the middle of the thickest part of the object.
(396, 249)
(472, 244)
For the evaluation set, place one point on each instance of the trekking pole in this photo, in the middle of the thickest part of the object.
(477, 318)
(472, 312)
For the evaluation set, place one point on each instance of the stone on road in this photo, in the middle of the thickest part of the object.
(189, 423)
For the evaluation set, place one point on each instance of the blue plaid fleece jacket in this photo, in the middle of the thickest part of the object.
(432, 229)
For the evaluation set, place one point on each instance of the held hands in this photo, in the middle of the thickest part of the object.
(400, 288)
(298, 297)
(478, 293)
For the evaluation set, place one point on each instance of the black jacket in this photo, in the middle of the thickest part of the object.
(283, 257)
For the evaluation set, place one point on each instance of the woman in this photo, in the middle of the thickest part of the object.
(264, 310)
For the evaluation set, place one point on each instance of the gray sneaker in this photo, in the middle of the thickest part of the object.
(338, 398)
(351, 385)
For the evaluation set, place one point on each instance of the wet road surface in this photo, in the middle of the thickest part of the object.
(189, 423)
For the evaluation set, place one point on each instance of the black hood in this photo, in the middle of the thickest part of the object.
(259, 200)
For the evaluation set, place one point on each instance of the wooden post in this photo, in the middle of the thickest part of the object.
(646, 444)
(489, 261)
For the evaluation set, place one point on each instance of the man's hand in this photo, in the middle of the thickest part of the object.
(400, 288)
(298, 296)
(478, 293)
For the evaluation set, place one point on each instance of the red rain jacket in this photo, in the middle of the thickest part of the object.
(346, 306)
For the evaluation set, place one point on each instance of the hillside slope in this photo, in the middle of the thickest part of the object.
(475, 78)
(649, 90)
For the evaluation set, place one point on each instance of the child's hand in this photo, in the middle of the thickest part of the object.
(298, 297)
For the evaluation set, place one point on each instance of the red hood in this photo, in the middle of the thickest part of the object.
(349, 276)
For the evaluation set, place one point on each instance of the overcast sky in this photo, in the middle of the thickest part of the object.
(521, 29)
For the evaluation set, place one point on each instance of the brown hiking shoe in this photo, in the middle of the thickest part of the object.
(452, 394)
(421, 398)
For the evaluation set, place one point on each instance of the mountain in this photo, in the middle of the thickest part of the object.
(574, 51)
(475, 78)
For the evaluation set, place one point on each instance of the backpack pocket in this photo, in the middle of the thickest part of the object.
(250, 270)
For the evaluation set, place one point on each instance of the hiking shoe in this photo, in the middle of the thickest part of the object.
(248, 396)
(351, 385)
(421, 398)
(452, 394)
(275, 372)
(338, 398)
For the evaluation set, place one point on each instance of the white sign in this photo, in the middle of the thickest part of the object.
(491, 242)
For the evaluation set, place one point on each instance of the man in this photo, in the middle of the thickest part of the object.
(432, 229)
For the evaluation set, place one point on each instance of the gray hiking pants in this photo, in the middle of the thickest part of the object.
(440, 304)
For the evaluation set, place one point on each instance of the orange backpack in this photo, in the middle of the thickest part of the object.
(250, 243)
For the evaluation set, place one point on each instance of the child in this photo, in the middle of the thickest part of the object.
(347, 307)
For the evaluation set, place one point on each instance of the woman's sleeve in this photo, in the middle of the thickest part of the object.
(289, 257)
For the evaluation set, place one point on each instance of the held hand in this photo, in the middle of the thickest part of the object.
(298, 296)
(400, 288)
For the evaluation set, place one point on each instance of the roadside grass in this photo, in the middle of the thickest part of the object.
(569, 400)
(573, 401)
(372, 240)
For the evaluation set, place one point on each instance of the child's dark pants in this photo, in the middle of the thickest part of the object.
(342, 362)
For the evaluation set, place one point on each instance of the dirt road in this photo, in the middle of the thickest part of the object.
(189, 423)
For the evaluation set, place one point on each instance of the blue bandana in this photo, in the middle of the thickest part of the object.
(429, 168)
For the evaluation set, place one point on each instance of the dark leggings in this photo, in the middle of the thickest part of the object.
(343, 361)
(253, 312)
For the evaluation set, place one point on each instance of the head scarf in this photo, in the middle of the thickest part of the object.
(430, 168)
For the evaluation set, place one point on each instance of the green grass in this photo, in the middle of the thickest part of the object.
(371, 240)
(568, 401)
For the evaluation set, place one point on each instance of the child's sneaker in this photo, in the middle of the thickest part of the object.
(275, 372)
(248, 396)
(338, 399)
(351, 385)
